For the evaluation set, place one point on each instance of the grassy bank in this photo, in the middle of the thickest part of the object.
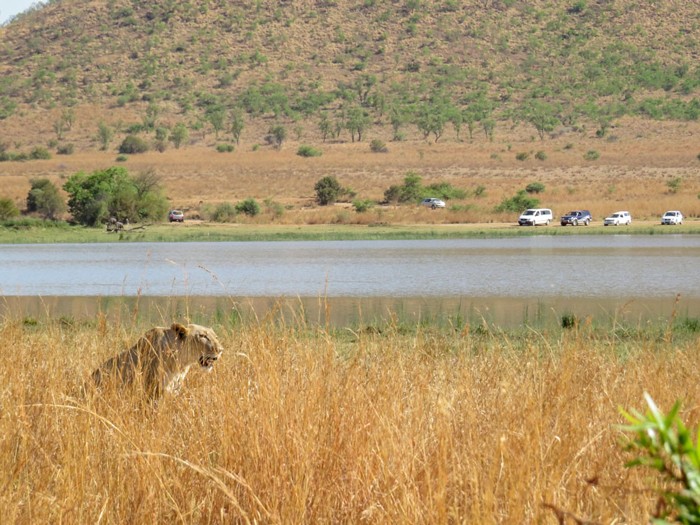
(47, 232)
(299, 424)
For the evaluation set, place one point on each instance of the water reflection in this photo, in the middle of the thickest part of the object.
(540, 267)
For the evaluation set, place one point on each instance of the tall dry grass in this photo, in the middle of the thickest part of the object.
(302, 425)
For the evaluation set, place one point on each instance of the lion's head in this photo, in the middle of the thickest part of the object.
(197, 344)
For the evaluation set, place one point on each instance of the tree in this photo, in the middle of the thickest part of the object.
(542, 115)
(179, 134)
(356, 122)
(112, 192)
(328, 189)
(237, 125)
(104, 135)
(277, 135)
(43, 198)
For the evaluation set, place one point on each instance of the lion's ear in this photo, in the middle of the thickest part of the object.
(180, 330)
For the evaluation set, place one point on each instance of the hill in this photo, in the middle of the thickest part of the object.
(494, 83)
(345, 69)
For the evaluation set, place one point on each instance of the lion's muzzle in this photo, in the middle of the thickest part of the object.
(207, 361)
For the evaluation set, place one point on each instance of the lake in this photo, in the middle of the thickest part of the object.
(555, 270)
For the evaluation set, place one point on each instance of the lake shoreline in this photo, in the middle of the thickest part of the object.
(196, 231)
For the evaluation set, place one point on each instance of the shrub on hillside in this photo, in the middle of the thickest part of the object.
(133, 144)
(308, 151)
(517, 203)
(8, 209)
(535, 187)
(248, 207)
(328, 190)
(378, 146)
(223, 212)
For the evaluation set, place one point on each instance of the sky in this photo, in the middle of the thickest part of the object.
(10, 8)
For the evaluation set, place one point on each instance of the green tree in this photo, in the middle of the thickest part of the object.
(542, 115)
(112, 192)
(179, 134)
(356, 122)
(237, 125)
(8, 209)
(328, 190)
(277, 135)
(44, 198)
(105, 134)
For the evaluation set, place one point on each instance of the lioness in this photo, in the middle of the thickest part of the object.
(161, 358)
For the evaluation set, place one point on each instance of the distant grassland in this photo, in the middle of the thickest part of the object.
(393, 423)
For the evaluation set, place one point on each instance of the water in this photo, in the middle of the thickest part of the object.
(619, 266)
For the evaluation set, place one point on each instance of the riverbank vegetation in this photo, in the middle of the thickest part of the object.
(31, 231)
(300, 423)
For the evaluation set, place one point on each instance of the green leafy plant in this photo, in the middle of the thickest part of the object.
(8, 209)
(674, 184)
(520, 201)
(133, 144)
(591, 155)
(663, 443)
(248, 207)
(362, 205)
(328, 190)
(308, 151)
(535, 187)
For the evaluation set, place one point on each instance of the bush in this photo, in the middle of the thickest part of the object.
(534, 187)
(65, 149)
(591, 155)
(378, 146)
(328, 190)
(517, 203)
(663, 443)
(309, 151)
(249, 207)
(362, 206)
(40, 153)
(133, 144)
(43, 198)
(524, 155)
(674, 184)
(224, 212)
(225, 148)
(8, 209)
(541, 155)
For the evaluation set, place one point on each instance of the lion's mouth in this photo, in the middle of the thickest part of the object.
(207, 361)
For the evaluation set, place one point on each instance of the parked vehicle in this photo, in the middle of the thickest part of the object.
(176, 216)
(672, 217)
(617, 218)
(433, 203)
(535, 216)
(577, 217)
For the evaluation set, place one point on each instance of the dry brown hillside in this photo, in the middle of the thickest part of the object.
(597, 99)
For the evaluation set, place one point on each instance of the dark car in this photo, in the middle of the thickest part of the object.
(577, 217)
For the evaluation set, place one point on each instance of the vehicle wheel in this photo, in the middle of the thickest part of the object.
(547, 223)
(433, 206)
(587, 222)
(574, 222)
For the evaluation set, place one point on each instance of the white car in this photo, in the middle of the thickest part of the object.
(433, 203)
(617, 218)
(535, 216)
(672, 217)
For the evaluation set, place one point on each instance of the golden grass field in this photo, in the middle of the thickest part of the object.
(632, 173)
(299, 424)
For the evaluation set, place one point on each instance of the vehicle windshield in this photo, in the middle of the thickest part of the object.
(529, 212)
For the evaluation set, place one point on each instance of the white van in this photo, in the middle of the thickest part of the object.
(535, 216)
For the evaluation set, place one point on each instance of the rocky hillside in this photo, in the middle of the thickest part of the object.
(89, 72)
